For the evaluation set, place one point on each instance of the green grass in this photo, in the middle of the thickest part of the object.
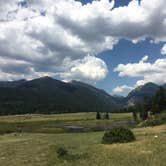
(49, 123)
(85, 149)
(154, 120)
(35, 147)
(90, 116)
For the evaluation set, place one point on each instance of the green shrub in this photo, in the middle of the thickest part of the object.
(118, 135)
(61, 151)
(150, 122)
(155, 120)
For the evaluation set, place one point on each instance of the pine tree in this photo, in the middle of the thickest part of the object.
(98, 116)
(133, 109)
(135, 117)
(159, 101)
(147, 106)
(161, 98)
(106, 115)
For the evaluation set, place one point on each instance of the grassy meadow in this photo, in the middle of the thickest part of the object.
(54, 123)
(37, 147)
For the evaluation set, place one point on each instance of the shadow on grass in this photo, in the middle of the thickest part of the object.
(73, 157)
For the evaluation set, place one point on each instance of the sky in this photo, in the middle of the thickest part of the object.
(114, 45)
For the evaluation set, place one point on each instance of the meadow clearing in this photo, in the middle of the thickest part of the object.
(36, 144)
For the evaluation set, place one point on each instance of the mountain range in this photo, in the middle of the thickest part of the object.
(48, 95)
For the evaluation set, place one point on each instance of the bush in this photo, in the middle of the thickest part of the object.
(150, 122)
(61, 151)
(155, 120)
(118, 135)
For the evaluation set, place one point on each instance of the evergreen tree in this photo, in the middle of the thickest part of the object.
(135, 117)
(106, 115)
(159, 101)
(155, 108)
(98, 116)
(134, 111)
(162, 98)
(147, 106)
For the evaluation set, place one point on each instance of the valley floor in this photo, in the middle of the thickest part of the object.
(84, 149)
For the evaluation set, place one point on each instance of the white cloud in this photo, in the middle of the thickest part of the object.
(55, 37)
(163, 50)
(134, 22)
(144, 59)
(151, 72)
(140, 83)
(120, 89)
(88, 67)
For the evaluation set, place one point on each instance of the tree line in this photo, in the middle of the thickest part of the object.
(150, 105)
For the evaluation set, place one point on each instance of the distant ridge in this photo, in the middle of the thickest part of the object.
(11, 83)
(139, 93)
(48, 95)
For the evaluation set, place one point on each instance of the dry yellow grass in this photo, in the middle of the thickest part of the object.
(85, 149)
(69, 116)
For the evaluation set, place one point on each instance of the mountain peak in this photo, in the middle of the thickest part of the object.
(48, 95)
(45, 78)
(147, 90)
(147, 85)
(150, 84)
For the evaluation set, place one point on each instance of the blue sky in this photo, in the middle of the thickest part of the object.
(117, 2)
(114, 45)
(125, 52)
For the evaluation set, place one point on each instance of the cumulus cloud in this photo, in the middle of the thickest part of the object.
(120, 89)
(62, 37)
(88, 67)
(134, 22)
(163, 50)
(144, 59)
(150, 72)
